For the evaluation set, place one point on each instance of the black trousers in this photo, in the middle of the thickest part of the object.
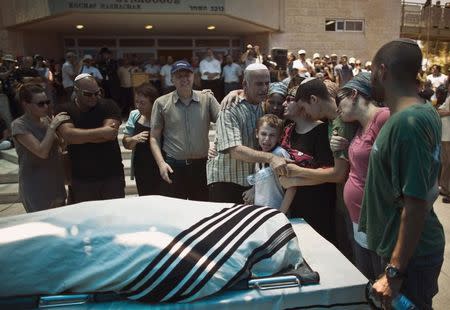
(226, 192)
(188, 180)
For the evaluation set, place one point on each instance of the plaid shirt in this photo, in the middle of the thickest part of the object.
(235, 126)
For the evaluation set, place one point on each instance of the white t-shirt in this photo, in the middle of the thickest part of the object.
(165, 73)
(67, 73)
(152, 69)
(437, 81)
(231, 73)
(92, 71)
(211, 66)
(302, 66)
(268, 190)
(445, 120)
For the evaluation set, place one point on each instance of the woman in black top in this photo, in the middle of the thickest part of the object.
(314, 202)
(136, 138)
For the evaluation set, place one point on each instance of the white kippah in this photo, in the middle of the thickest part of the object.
(82, 76)
(256, 66)
(308, 80)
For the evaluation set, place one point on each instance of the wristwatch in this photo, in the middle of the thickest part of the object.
(393, 272)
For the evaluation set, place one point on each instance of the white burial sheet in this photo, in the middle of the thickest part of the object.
(341, 286)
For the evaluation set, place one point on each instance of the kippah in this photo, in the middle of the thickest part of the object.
(82, 76)
(256, 66)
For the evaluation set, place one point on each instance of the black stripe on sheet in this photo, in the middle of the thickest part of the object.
(185, 265)
(219, 264)
(175, 240)
(262, 251)
(207, 244)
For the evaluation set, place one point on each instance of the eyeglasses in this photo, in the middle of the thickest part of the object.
(86, 93)
(42, 103)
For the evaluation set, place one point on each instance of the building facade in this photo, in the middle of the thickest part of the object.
(180, 27)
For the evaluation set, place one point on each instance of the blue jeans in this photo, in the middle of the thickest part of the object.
(421, 282)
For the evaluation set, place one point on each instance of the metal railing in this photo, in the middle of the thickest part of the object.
(417, 15)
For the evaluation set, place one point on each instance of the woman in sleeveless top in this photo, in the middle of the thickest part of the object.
(136, 138)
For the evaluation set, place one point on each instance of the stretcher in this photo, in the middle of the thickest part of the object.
(341, 285)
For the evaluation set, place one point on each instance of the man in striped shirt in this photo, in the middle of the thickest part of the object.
(236, 141)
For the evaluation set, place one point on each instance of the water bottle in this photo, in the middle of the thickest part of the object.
(400, 302)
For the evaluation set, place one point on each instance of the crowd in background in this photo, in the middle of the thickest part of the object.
(310, 121)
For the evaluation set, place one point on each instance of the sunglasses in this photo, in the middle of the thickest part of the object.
(42, 103)
(86, 93)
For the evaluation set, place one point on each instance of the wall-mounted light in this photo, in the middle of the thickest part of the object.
(79, 27)
(148, 27)
(211, 27)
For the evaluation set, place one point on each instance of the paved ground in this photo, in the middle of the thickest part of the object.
(441, 301)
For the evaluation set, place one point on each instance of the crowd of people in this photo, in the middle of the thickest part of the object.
(353, 150)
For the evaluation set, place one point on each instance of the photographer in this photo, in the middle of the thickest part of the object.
(251, 55)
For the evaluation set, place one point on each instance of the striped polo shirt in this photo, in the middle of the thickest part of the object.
(235, 126)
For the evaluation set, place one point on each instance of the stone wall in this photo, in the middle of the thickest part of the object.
(304, 26)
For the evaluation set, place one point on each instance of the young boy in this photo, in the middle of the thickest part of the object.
(267, 190)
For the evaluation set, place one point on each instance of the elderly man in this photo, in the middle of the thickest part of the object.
(181, 120)
(91, 135)
(236, 141)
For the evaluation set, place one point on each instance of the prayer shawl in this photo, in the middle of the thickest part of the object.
(152, 249)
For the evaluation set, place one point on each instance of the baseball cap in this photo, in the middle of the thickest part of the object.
(361, 83)
(181, 65)
(301, 52)
(87, 57)
(316, 55)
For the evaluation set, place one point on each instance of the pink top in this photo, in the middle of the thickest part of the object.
(359, 153)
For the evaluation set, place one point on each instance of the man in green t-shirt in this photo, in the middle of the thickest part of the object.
(397, 211)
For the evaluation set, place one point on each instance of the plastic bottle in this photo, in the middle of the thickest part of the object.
(401, 302)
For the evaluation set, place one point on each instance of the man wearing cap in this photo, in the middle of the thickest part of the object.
(91, 135)
(181, 120)
(343, 72)
(236, 141)
(88, 68)
(69, 72)
(210, 70)
(304, 67)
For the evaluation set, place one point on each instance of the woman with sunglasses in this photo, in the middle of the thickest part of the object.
(41, 176)
(136, 138)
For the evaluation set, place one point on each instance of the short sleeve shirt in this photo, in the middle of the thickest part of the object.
(93, 161)
(235, 126)
(343, 129)
(185, 128)
(404, 162)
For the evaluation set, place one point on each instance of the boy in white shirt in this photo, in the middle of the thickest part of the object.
(267, 190)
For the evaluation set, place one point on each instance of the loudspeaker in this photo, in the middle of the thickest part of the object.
(279, 55)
